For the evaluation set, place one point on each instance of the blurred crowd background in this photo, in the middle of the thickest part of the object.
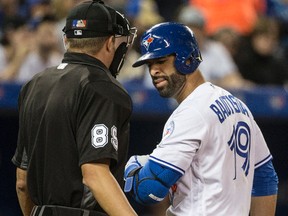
(243, 43)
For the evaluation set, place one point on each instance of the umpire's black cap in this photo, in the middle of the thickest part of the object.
(95, 19)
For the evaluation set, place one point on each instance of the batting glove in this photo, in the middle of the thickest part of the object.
(134, 164)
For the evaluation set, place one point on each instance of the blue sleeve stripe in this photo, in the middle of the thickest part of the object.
(265, 160)
(169, 165)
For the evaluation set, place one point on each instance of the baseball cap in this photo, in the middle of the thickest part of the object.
(95, 19)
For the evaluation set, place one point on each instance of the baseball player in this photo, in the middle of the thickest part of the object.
(212, 157)
(74, 122)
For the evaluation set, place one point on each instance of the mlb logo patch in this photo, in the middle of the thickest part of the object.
(78, 32)
(79, 23)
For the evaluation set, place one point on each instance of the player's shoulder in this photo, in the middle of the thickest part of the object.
(208, 99)
(201, 96)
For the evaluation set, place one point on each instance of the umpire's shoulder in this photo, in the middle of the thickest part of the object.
(102, 83)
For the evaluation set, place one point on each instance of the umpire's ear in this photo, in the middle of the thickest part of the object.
(110, 44)
(65, 43)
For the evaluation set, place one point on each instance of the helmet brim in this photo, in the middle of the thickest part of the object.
(149, 56)
(142, 60)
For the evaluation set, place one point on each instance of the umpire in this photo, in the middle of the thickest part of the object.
(74, 122)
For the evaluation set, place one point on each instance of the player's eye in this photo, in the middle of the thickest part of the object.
(161, 61)
(158, 61)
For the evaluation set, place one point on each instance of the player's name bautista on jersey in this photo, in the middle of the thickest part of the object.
(227, 105)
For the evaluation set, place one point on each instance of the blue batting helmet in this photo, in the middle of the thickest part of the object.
(171, 38)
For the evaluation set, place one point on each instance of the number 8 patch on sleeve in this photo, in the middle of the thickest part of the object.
(99, 136)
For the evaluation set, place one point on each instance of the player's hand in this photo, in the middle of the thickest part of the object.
(133, 165)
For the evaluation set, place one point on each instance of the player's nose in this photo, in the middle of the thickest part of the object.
(154, 69)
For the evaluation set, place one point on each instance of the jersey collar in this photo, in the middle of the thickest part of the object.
(82, 58)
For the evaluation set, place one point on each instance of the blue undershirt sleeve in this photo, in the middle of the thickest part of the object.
(265, 181)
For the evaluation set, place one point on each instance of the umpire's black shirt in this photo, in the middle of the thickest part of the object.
(69, 115)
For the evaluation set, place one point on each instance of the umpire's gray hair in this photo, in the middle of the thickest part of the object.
(88, 45)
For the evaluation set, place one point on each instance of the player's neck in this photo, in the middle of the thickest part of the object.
(193, 81)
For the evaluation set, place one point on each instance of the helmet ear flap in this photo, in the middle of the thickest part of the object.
(187, 65)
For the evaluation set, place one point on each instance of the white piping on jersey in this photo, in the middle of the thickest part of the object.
(265, 160)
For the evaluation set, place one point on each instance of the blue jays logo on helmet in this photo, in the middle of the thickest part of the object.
(171, 38)
(147, 41)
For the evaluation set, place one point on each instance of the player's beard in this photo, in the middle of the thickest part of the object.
(175, 83)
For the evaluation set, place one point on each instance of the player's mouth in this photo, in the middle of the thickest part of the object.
(159, 82)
